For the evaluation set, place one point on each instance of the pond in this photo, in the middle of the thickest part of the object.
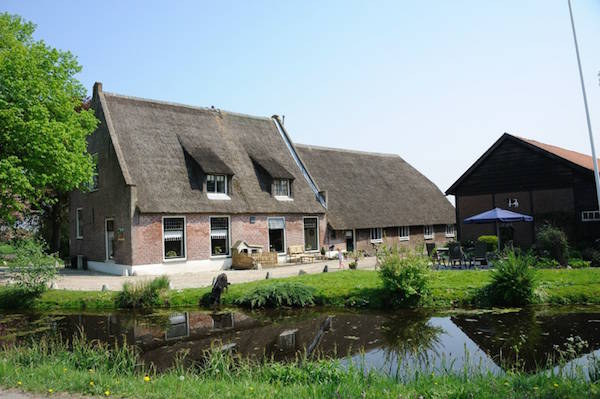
(386, 341)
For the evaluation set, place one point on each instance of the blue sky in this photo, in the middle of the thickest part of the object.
(436, 82)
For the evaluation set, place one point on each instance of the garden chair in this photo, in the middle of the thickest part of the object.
(455, 254)
(480, 253)
(432, 253)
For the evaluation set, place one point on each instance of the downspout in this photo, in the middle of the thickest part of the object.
(288, 142)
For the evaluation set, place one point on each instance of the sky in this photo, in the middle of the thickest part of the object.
(436, 82)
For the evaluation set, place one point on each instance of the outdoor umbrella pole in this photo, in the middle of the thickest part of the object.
(498, 235)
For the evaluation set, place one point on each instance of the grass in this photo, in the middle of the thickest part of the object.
(354, 288)
(48, 367)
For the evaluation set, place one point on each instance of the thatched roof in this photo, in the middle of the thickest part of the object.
(153, 137)
(367, 190)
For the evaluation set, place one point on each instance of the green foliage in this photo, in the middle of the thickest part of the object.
(352, 265)
(547, 263)
(143, 294)
(43, 127)
(6, 249)
(405, 276)
(513, 281)
(593, 255)
(552, 242)
(32, 269)
(278, 294)
(491, 241)
(579, 263)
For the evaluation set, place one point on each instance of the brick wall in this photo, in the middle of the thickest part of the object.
(147, 234)
(390, 238)
(111, 200)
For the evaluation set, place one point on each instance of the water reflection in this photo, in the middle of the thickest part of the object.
(389, 342)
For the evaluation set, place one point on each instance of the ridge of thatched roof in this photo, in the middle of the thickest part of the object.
(366, 189)
(150, 134)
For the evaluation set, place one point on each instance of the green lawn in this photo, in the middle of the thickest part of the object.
(356, 288)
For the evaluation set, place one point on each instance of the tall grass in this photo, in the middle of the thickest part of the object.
(91, 368)
(143, 294)
(513, 281)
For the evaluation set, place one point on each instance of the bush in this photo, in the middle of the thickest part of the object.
(513, 280)
(579, 263)
(552, 242)
(32, 268)
(491, 241)
(547, 263)
(592, 255)
(278, 294)
(143, 294)
(406, 277)
(6, 249)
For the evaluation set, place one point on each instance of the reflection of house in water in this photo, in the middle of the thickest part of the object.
(533, 332)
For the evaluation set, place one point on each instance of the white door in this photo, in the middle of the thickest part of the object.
(110, 238)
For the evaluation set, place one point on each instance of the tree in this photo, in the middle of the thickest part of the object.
(43, 126)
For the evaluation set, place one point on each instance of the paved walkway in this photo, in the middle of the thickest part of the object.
(85, 280)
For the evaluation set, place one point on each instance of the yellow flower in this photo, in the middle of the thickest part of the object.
(252, 388)
(147, 379)
(50, 390)
(91, 383)
(19, 383)
(555, 385)
(64, 370)
(535, 388)
(107, 393)
(506, 383)
(91, 370)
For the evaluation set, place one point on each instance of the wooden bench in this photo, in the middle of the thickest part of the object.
(296, 254)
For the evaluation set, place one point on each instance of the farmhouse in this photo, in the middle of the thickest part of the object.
(377, 198)
(176, 185)
(550, 183)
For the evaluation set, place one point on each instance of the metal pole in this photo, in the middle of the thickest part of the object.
(585, 103)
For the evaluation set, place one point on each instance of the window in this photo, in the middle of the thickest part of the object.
(216, 184)
(428, 232)
(376, 234)
(590, 216)
(174, 237)
(94, 183)
(79, 223)
(276, 235)
(404, 233)
(311, 235)
(219, 236)
(281, 187)
(450, 230)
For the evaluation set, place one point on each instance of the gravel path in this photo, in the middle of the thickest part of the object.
(12, 394)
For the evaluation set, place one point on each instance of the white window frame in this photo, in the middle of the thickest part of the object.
(228, 254)
(287, 183)
(378, 234)
(215, 177)
(590, 216)
(284, 235)
(428, 236)
(78, 223)
(107, 258)
(404, 233)
(162, 228)
(304, 233)
(452, 232)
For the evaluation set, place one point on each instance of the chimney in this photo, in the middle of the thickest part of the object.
(96, 90)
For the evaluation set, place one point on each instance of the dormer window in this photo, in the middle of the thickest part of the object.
(281, 187)
(216, 184)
